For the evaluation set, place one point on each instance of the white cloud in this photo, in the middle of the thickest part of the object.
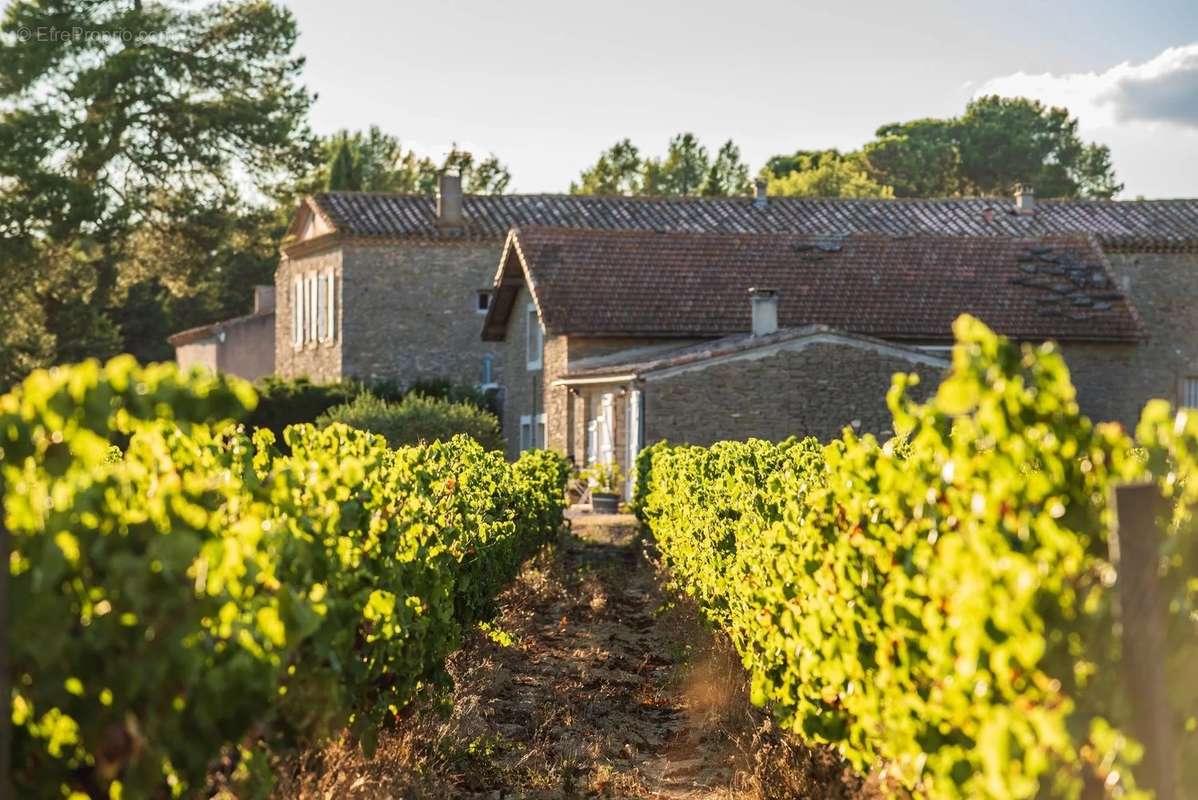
(1161, 90)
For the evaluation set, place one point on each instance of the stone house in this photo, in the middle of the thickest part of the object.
(628, 337)
(396, 287)
(243, 346)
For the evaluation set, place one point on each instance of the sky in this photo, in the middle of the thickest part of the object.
(548, 84)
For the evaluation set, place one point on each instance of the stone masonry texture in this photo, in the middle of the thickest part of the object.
(1114, 382)
(816, 391)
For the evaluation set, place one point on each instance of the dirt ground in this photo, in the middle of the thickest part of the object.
(588, 684)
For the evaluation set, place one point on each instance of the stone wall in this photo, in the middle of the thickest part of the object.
(1114, 382)
(318, 361)
(248, 350)
(200, 353)
(523, 389)
(411, 311)
(814, 391)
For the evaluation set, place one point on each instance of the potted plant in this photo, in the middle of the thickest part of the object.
(605, 481)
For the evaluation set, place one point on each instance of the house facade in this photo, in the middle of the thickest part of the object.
(396, 287)
(627, 337)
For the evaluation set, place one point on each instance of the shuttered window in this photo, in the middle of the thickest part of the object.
(321, 305)
(297, 312)
(330, 315)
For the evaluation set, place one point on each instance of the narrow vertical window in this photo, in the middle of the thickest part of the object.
(330, 307)
(311, 308)
(488, 376)
(540, 431)
(297, 320)
(526, 433)
(321, 304)
(535, 340)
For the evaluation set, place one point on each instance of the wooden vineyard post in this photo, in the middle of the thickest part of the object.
(5, 688)
(1135, 550)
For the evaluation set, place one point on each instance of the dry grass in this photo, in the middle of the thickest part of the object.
(600, 693)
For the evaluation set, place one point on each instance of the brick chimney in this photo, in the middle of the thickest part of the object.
(765, 311)
(449, 200)
(1025, 199)
(760, 198)
(264, 299)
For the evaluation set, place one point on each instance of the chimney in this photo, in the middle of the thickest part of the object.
(449, 200)
(765, 311)
(1025, 199)
(264, 299)
(760, 198)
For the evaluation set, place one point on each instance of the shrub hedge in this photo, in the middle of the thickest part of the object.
(938, 606)
(203, 591)
(416, 419)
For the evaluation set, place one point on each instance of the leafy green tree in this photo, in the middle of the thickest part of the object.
(997, 144)
(617, 171)
(1008, 141)
(828, 177)
(686, 169)
(728, 174)
(374, 161)
(681, 172)
(782, 165)
(343, 172)
(918, 158)
(105, 136)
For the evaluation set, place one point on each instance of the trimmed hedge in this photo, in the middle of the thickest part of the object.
(417, 419)
(938, 604)
(203, 591)
(292, 402)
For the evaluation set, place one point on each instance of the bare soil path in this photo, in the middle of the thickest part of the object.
(585, 686)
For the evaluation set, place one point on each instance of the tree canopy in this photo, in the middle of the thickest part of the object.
(374, 161)
(113, 146)
(686, 169)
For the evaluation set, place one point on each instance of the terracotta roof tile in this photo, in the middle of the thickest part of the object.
(1140, 224)
(637, 283)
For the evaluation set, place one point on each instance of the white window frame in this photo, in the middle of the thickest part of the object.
(321, 306)
(592, 442)
(312, 306)
(526, 432)
(330, 313)
(1187, 391)
(487, 293)
(607, 429)
(532, 431)
(297, 319)
(535, 338)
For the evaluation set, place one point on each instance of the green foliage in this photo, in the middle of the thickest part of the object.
(1008, 141)
(687, 169)
(108, 143)
(940, 602)
(200, 592)
(373, 161)
(997, 144)
(416, 419)
(605, 478)
(828, 177)
(918, 158)
(289, 402)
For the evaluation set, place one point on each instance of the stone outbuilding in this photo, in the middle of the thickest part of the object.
(243, 346)
(627, 337)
